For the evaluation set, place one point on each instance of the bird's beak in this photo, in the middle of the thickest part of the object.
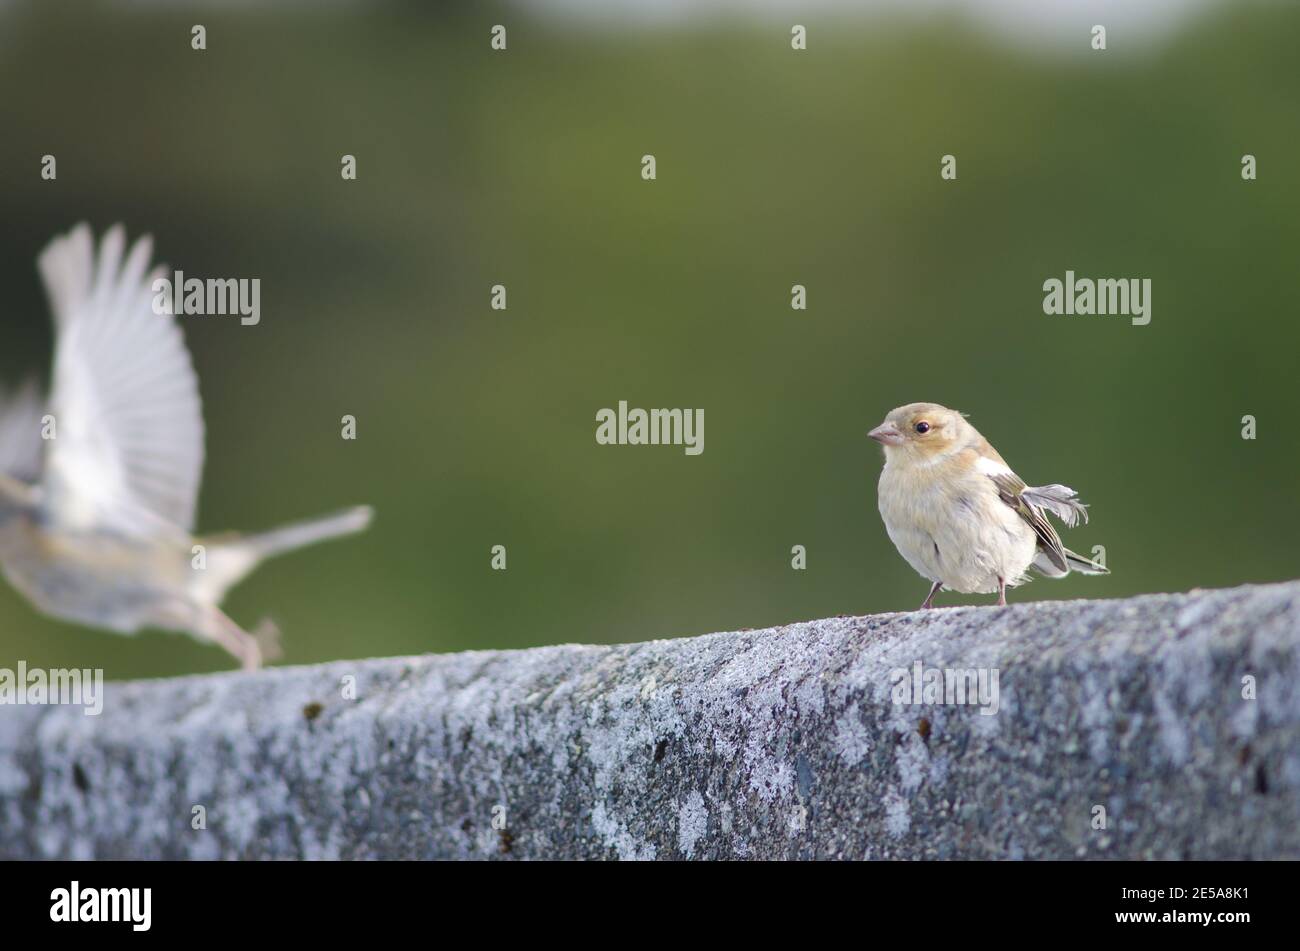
(887, 434)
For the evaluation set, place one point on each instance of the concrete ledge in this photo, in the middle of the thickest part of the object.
(783, 743)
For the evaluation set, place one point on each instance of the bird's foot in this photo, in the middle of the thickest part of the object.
(267, 637)
(244, 647)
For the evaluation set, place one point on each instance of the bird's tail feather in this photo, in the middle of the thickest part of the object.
(230, 558)
(280, 540)
(1084, 565)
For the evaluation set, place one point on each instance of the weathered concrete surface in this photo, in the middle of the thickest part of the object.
(781, 743)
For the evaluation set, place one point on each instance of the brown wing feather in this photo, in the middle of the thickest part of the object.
(1010, 486)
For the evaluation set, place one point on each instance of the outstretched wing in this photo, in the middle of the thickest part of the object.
(20, 431)
(1013, 491)
(127, 452)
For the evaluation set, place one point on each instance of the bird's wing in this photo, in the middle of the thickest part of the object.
(1061, 500)
(127, 451)
(20, 431)
(1013, 491)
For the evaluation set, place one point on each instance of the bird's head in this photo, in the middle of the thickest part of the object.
(921, 431)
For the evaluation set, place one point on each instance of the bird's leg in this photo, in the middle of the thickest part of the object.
(242, 646)
(929, 598)
(1002, 593)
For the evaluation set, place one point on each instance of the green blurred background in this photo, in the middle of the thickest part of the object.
(476, 427)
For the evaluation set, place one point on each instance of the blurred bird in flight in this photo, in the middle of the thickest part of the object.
(98, 486)
(958, 514)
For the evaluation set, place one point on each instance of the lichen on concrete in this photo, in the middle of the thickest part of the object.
(1121, 731)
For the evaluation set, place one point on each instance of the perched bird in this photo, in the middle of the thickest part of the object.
(98, 487)
(960, 516)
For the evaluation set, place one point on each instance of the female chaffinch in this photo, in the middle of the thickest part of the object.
(960, 516)
(96, 524)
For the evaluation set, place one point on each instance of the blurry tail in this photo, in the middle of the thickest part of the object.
(1083, 565)
(280, 540)
(230, 558)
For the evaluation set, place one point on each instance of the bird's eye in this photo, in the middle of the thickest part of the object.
(922, 427)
